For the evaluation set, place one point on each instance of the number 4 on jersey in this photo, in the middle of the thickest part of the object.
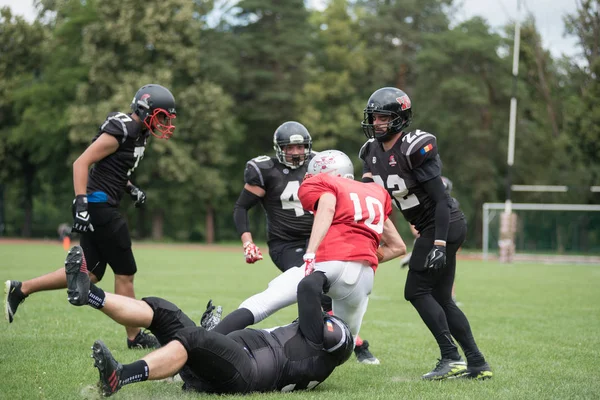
(289, 198)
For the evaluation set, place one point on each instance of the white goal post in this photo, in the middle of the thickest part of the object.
(490, 211)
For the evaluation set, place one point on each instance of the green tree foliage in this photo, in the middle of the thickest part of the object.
(272, 39)
(463, 101)
(240, 71)
(330, 104)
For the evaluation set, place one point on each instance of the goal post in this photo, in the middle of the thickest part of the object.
(491, 210)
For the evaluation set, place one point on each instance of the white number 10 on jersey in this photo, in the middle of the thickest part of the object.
(374, 211)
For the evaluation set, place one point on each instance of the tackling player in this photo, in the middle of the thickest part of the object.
(297, 356)
(273, 182)
(408, 165)
(114, 153)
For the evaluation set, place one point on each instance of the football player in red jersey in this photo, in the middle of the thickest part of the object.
(281, 291)
(351, 220)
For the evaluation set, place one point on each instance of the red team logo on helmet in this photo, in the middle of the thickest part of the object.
(404, 102)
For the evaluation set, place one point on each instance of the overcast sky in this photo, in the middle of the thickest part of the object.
(548, 15)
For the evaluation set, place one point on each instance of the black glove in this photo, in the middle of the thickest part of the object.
(137, 195)
(436, 259)
(81, 216)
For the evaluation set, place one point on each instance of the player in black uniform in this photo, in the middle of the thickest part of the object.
(115, 152)
(297, 356)
(408, 165)
(274, 182)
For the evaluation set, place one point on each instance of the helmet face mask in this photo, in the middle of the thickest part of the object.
(386, 101)
(155, 106)
(287, 136)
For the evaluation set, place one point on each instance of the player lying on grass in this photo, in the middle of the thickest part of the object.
(296, 356)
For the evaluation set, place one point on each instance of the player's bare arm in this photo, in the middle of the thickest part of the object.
(101, 148)
(393, 246)
(323, 220)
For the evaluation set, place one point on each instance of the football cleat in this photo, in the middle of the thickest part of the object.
(108, 368)
(446, 368)
(143, 341)
(12, 298)
(478, 373)
(364, 356)
(78, 280)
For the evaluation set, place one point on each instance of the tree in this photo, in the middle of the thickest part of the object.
(330, 104)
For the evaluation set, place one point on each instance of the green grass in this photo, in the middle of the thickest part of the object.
(538, 326)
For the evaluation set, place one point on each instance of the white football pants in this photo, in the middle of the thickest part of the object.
(351, 284)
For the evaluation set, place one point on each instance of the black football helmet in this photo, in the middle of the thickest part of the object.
(292, 132)
(155, 105)
(337, 338)
(387, 101)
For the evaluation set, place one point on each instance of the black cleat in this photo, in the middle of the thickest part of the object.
(209, 318)
(78, 280)
(109, 369)
(12, 298)
(364, 356)
(446, 368)
(143, 341)
(478, 373)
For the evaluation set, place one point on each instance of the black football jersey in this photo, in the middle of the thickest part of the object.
(413, 159)
(110, 175)
(286, 359)
(286, 219)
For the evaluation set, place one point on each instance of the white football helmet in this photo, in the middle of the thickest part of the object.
(332, 162)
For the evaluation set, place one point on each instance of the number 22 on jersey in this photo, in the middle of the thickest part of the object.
(374, 212)
(399, 191)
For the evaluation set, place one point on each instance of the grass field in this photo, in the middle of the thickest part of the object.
(538, 326)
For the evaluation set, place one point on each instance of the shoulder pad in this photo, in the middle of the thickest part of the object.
(263, 162)
(364, 150)
(116, 125)
(419, 146)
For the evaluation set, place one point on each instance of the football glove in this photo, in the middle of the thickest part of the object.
(209, 319)
(137, 195)
(252, 252)
(436, 259)
(309, 263)
(81, 216)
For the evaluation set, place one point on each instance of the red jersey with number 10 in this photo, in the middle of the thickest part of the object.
(360, 211)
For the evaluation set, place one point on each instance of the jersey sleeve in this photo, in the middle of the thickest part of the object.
(363, 153)
(425, 161)
(253, 174)
(313, 188)
(115, 125)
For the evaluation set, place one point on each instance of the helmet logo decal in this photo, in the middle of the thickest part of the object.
(392, 160)
(143, 101)
(329, 326)
(296, 139)
(404, 102)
